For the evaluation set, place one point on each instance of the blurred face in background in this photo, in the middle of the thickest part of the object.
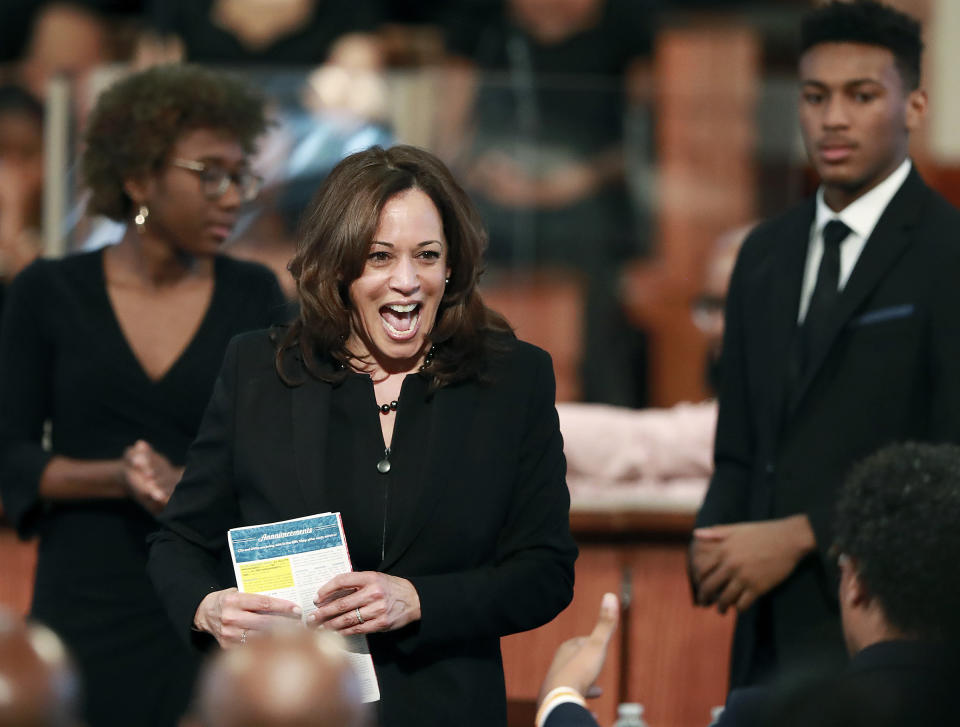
(708, 307)
(21, 163)
(21, 182)
(67, 39)
(551, 21)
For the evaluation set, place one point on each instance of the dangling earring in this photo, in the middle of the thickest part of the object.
(141, 218)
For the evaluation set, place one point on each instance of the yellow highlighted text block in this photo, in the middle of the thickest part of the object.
(269, 576)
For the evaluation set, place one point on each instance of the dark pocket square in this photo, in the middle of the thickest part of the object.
(890, 313)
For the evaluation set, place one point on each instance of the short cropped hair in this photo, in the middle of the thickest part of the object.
(872, 23)
(137, 121)
(897, 517)
(333, 247)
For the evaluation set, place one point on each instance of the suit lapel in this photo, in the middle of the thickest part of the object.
(889, 239)
(779, 299)
(310, 408)
(412, 506)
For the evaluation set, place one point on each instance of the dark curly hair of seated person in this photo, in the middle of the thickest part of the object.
(897, 516)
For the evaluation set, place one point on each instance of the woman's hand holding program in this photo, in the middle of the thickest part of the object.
(232, 617)
(364, 603)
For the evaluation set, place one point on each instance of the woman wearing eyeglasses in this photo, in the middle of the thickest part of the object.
(117, 350)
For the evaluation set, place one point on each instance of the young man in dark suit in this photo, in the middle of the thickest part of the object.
(842, 334)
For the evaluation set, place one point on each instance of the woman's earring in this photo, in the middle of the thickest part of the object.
(446, 281)
(141, 218)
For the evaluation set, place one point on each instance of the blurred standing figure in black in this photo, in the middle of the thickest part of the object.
(21, 181)
(545, 154)
(117, 351)
(278, 33)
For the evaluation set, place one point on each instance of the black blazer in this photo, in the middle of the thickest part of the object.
(569, 715)
(887, 373)
(484, 537)
(886, 684)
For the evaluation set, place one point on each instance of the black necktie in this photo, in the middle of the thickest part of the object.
(817, 321)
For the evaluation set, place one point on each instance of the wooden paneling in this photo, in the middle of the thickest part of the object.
(707, 81)
(546, 309)
(668, 655)
(945, 179)
(526, 656)
(678, 653)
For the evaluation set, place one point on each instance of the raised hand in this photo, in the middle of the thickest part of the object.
(578, 661)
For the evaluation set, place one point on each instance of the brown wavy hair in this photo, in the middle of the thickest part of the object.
(332, 250)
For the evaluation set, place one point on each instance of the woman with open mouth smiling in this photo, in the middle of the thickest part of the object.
(398, 399)
(395, 299)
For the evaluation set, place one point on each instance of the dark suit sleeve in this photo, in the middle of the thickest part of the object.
(279, 309)
(569, 715)
(727, 500)
(184, 554)
(945, 342)
(531, 578)
(26, 373)
(745, 707)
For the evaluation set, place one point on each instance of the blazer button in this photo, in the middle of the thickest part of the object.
(769, 468)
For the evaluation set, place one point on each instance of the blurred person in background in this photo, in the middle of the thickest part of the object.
(288, 678)
(534, 119)
(21, 181)
(116, 352)
(39, 686)
(277, 33)
(708, 306)
(607, 445)
(74, 42)
(323, 116)
(68, 39)
(319, 62)
(398, 399)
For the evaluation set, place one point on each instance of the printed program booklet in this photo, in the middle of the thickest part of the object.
(291, 560)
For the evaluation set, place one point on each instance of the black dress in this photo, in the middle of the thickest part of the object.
(65, 360)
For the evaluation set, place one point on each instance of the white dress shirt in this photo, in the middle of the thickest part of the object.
(861, 216)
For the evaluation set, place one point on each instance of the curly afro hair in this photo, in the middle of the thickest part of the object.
(897, 516)
(138, 120)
